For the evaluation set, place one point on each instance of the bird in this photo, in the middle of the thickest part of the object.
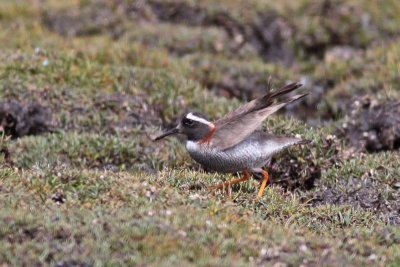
(234, 143)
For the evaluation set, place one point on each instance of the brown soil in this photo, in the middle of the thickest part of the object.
(372, 126)
(19, 119)
(361, 193)
(97, 18)
(291, 173)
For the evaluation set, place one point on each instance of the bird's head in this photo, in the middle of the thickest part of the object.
(194, 125)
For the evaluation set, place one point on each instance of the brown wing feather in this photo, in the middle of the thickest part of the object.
(243, 121)
(258, 103)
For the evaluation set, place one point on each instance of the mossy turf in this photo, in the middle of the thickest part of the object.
(97, 190)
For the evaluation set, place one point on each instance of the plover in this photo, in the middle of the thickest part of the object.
(233, 143)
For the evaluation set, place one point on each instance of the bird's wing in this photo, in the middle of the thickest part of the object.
(235, 127)
(258, 103)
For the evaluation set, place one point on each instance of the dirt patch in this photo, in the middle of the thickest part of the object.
(292, 174)
(96, 18)
(18, 119)
(362, 193)
(174, 12)
(372, 126)
(5, 153)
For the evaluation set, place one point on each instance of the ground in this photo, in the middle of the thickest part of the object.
(86, 85)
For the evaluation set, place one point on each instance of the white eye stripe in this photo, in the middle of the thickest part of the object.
(190, 116)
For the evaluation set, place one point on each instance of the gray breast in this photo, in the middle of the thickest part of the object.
(252, 153)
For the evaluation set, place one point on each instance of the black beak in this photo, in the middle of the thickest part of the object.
(169, 132)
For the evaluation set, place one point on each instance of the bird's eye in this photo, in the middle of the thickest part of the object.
(187, 122)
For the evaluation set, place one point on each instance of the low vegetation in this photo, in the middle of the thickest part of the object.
(86, 85)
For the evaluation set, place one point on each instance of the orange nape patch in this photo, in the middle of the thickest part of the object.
(207, 139)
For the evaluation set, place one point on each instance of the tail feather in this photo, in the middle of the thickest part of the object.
(266, 100)
(274, 108)
(295, 98)
(287, 89)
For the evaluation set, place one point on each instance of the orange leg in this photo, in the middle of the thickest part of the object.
(223, 185)
(229, 192)
(263, 184)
